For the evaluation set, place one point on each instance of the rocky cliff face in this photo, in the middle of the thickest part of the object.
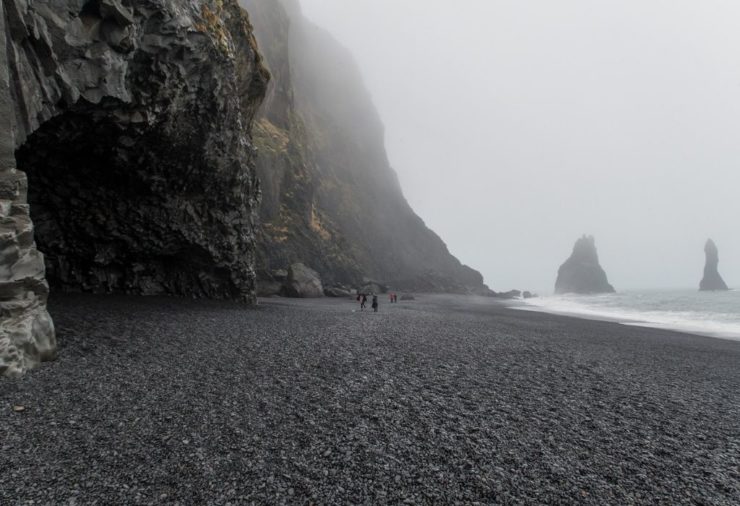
(712, 281)
(581, 273)
(330, 198)
(131, 119)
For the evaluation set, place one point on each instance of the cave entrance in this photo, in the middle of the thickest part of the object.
(111, 216)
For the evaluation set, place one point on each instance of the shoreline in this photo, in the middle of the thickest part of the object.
(593, 315)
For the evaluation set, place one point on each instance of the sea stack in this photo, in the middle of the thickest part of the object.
(581, 273)
(712, 280)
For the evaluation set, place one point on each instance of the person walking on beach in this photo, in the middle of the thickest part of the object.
(375, 303)
(363, 301)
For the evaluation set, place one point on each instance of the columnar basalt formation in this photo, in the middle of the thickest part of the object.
(26, 330)
(132, 120)
(331, 199)
(712, 281)
(581, 273)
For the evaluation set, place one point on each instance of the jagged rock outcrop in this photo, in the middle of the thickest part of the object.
(330, 197)
(581, 273)
(711, 281)
(131, 119)
(303, 282)
(26, 330)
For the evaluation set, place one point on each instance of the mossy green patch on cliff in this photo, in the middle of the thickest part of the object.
(269, 138)
(212, 24)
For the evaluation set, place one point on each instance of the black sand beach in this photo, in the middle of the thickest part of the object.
(441, 400)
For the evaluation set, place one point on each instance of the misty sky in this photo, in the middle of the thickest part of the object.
(518, 125)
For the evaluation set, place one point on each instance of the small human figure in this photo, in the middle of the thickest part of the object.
(363, 301)
(390, 297)
(375, 303)
(395, 298)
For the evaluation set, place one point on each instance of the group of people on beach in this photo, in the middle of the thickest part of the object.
(362, 299)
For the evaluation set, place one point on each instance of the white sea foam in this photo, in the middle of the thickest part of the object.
(715, 314)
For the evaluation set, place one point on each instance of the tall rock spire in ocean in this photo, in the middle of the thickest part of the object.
(712, 280)
(581, 273)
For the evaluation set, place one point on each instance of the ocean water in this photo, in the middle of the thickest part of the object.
(715, 314)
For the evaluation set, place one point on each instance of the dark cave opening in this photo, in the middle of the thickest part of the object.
(111, 215)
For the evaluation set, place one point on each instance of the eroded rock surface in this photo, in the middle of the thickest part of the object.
(132, 121)
(26, 330)
(581, 273)
(712, 281)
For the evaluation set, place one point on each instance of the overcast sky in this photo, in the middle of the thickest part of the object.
(518, 125)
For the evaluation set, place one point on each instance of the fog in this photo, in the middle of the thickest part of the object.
(516, 126)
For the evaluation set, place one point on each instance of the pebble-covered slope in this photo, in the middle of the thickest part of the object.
(437, 400)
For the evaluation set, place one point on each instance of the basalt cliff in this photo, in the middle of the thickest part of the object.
(126, 127)
(581, 272)
(134, 156)
(711, 281)
(330, 199)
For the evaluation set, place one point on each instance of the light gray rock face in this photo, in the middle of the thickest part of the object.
(303, 282)
(581, 273)
(339, 291)
(712, 281)
(26, 330)
(131, 119)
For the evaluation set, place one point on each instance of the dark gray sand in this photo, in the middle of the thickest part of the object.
(441, 400)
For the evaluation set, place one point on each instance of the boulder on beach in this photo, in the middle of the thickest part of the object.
(303, 282)
(581, 273)
(338, 291)
(712, 281)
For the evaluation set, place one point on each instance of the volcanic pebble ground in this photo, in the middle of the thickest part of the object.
(441, 400)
